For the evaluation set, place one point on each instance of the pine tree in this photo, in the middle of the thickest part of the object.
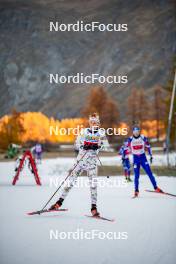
(110, 115)
(132, 104)
(99, 101)
(159, 108)
(138, 107)
(143, 108)
(95, 102)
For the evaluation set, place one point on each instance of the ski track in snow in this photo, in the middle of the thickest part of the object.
(149, 220)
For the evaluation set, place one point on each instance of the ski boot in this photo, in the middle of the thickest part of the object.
(136, 194)
(94, 211)
(57, 205)
(128, 179)
(158, 190)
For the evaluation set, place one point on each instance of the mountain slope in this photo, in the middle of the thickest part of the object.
(29, 52)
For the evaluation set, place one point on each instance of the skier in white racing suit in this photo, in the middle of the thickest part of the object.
(89, 142)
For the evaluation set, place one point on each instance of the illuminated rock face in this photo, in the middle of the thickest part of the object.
(29, 52)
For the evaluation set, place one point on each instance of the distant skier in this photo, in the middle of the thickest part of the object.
(124, 152)
(37, 152)
(89, 142)
(137, 145)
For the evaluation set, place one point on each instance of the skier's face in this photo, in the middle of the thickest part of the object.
(136, 133)
(93, 124)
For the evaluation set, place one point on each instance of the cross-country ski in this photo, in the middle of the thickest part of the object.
(165, 193)
(47, 211)
(101, 218)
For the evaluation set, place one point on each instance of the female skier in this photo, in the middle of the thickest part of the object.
(89, 142)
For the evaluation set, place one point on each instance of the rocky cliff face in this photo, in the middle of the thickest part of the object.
(29, 52)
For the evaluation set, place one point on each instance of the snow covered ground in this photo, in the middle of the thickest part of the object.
(147, 223)
(158, 160)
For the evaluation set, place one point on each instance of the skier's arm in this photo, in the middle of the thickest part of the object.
(122, 152)
(79, 142)
(147, 146)
(129, 145)
(103, 144)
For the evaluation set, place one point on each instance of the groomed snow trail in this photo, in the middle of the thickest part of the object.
(148, 221)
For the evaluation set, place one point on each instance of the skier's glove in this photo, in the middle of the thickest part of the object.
(85, 147)
(151, 159)
(88, 147)
(95, 147)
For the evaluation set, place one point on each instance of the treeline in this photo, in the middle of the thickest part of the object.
(149, 109)
(20, 128)
(140, 108)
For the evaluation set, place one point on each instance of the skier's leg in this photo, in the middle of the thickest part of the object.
(71, 181)
(92, 174)
(69, 184)
(147, 169)
(128, 169)
(136, 176)
(40, 157)
(129, 172)
(124, 169)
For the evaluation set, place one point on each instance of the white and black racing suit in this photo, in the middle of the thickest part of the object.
(89, 142)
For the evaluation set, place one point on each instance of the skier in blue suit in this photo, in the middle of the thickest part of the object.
(137, 144)
(124, 152)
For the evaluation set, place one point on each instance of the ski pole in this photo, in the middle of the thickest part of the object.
(101, 164)
(63, 181)
(99, 160)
